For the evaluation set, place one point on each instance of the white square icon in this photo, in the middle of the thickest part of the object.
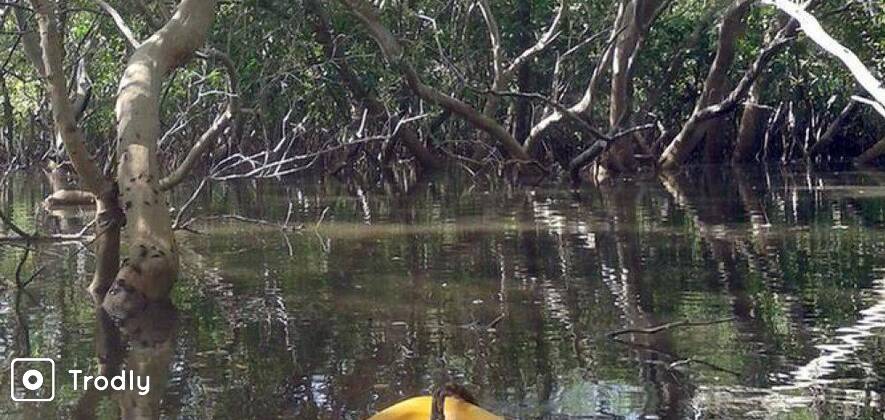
(32, 379)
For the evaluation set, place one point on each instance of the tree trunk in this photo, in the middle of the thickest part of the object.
(751, 127)
(522, 116)
(108, 215)
(679, 150)
(872, 154)
(8, 129)
(715, 86)
(638, 16)
(151, 265)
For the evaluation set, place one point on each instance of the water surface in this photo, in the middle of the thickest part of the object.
(378, 291)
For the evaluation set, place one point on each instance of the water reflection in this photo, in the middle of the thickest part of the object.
(510, 290)
(138, 347)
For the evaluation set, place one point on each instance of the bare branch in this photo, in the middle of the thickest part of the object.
(120, 23)
(816, 32)
(215, 130)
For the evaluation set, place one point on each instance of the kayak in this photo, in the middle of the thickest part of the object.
(418, 408)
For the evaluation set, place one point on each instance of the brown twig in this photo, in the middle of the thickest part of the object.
(668, 326)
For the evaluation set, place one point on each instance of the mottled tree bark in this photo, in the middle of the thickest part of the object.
(148, 272)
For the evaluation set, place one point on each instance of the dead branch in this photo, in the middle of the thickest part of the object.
(668, 326)
(215, 130)
(177, 224)
(394, 53)
(69, 198)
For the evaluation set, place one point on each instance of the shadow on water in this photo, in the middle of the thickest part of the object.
(374, 291)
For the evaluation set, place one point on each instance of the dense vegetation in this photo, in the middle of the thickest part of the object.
(308, 78)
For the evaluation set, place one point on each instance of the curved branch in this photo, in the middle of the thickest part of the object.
(215, 130)
(62, 110)
(816, 32)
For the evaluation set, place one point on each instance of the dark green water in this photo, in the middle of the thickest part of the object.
(509, 290)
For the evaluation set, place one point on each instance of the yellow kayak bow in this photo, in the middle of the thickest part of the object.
(419, 408)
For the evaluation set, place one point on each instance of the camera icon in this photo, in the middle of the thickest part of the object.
(32, 379)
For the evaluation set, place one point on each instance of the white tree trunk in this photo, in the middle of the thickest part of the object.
(152, 264)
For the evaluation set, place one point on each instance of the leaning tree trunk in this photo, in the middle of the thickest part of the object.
(872, 154)
(108, 216)
(715, 86)
(148, 272)
(696, 130)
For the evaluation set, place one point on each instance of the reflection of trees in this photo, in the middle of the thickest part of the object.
(144, 344)
(626, 280)
(712, 222)
(343, 329)
(768, 252)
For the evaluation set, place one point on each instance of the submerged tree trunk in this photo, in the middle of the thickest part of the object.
(148, 272)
